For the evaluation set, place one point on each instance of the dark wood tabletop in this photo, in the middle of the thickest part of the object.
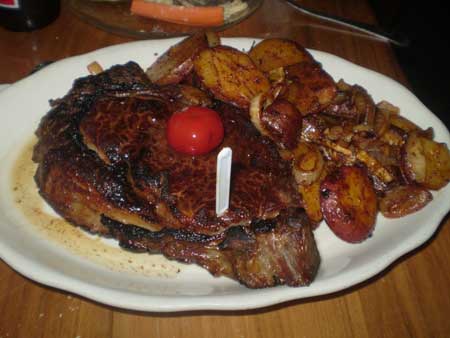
(411, 298)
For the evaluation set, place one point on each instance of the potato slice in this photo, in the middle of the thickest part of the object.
(311, 200)
(310, 88)
(437, 164)
(230, 75)
(283, 123)
(277, 119)
(275, 53)
(312, 75)
(425, 161)
(303, 97)
(349, 203)
(177, 62)
(311, 196)
(404, 200)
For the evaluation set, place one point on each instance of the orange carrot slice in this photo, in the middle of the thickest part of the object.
(193, 16)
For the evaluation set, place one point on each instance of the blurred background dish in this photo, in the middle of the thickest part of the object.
(115, 16)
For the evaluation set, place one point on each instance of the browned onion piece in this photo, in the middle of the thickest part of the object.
(94, 68)
(308, 163)
(213, 39)
(381, 123)
(402, 123)
(388, 107)
(277, 75)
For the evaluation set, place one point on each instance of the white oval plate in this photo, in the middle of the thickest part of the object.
(343, 265)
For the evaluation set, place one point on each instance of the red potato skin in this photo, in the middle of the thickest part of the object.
(404, 200)
(283, 122)
(349, 204)
(178, 61)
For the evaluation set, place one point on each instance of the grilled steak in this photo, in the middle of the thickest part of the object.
(105, 165)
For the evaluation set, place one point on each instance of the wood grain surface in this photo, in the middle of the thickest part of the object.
(409, 299)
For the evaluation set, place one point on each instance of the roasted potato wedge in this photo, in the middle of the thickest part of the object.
(311, 193)
(311, 200)
(404, 200)
(303, 97)
(230, 75)
(275, 53)
(425, 161)
(283, 123)
(315, 78)
(349, 203)
(279, 120)
(177, 62)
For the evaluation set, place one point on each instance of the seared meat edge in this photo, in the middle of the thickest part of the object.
(98, 197)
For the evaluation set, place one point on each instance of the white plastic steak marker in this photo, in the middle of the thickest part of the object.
(223, 179)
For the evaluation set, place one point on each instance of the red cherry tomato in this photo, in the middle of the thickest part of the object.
(195, 130)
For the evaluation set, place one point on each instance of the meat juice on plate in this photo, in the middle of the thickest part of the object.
(79, 242)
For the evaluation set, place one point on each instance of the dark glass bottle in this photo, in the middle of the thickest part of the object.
(27, 15)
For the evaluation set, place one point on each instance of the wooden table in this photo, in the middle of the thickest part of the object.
(409, 299)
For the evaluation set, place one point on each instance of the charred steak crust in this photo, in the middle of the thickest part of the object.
(267, 253)
(104, 164)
